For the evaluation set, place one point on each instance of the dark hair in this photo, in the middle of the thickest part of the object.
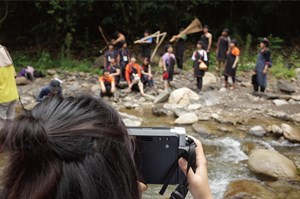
(76, 148)
(234, 41)
(167, 47)
(226, 30)
(201, 43)
(265, 41)
(206, 26)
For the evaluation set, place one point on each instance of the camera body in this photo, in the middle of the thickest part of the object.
(157, 151)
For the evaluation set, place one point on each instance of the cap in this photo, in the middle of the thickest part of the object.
(54, 86)
(265, 41)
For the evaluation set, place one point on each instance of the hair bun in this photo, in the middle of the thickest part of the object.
(25, 133)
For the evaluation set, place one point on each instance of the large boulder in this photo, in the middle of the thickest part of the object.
(183, 96)
(272, 164)
(162, 97)
(290, 133)
(285, 86)
(247, 189)
(130, 120)
(159, 110)
(257, 130)
(188, 118)
(209, 78)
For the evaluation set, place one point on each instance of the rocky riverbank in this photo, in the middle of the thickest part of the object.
(274, 115)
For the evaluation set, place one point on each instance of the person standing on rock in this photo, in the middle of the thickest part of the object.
(206, 37)
(110, 53)
(119, 39)
(231, 63)
(200, 64)
(168, 64)
(52, 90)
(180, 48)
(146, 45)
(107, 84)
(147, 77)
(222, 49)
(8, 87)
(123, 58)
(133, 76)
(114, 70)
(259, 78)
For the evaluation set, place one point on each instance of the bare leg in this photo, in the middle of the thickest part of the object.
(141, 87)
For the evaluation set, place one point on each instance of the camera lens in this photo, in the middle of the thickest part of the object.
(167, 146)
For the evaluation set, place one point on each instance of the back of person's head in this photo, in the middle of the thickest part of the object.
(77, 147)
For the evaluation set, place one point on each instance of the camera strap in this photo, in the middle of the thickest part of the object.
(182, 189)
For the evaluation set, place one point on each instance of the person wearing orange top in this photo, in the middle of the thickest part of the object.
(107, 84)
(133, 76)
(231, 63)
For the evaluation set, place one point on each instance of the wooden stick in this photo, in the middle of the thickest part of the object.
(145, 38)
(164, 34)
(102, 33)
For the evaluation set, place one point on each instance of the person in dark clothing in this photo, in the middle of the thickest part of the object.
(259, 78)
(147, 77)
(114, 70)
(168, 63)
(52, 90)
(206, 37)
(231, 63)
(222, 49)
(119, 40)
(124, 56)
(180, 48)
(199, 56)
(110, 53)
(146, 45)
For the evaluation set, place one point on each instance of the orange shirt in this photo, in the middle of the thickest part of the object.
(130, 69)
(235, 51)
(106, 79)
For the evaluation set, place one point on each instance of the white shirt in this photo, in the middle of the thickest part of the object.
(202, 53)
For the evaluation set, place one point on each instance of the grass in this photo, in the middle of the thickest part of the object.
(44, 61)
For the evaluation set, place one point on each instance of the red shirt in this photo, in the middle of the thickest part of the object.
(131, 68)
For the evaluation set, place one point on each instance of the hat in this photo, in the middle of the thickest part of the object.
(234, 41)
(265, 41)
(54, 86)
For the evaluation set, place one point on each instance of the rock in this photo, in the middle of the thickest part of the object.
(295, 117)
(96, 89)
(183, 96)
(286, 87)
(173, 107)
(246, 84)
(285, 189)
(149, 97)
(22, 81)
(290, 133)
(180, 111)
(258, 131)
(130, 120)
(162, 97)
(272, 164)
(247, 189)
(279, 102)
(159, 110)
(296, 97)
(298, 73)
(188, 118)
(223, 89)
(193, 107)
(274, 129)
(51, 72)
(130, 105)
(209, 78)
(198, 128)
(85, 85)
(74, 88)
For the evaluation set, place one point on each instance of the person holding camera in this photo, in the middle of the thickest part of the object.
(78, 147)
(200, 64)
(133, 76)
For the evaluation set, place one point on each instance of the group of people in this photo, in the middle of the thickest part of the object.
(119, 64)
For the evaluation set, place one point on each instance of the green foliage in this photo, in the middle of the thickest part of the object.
(279, 70)
(276, 43)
